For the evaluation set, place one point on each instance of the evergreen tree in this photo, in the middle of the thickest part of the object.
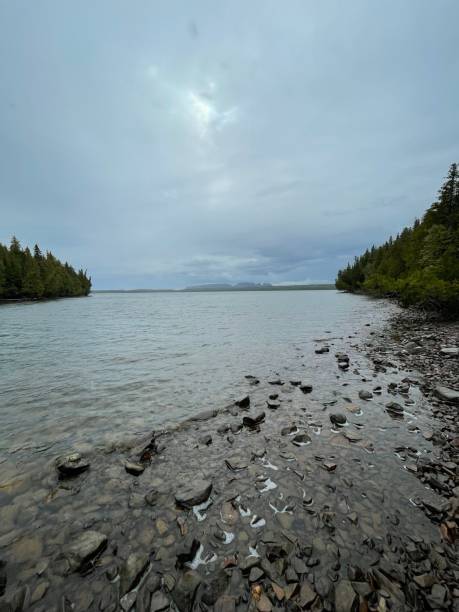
(23, 275)
(421, 265)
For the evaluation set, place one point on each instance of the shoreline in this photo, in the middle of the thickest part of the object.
(257, 504)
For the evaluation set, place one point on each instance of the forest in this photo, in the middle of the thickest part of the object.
(420, 267)
(26, 275)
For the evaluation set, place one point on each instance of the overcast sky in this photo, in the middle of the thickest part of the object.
(163, 144)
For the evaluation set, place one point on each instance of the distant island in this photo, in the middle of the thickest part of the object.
(225, 287)
(34, 276)
(420, 267)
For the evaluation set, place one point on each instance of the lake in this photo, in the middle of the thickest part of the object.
(89, 371)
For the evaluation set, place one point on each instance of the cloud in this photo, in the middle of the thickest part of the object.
(240, 141)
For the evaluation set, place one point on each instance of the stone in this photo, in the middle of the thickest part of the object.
(71, 465)
(85, 548)
(338, 419)
(256, 573)
(244, 402)
(365, 395)
(193, 493)
(301, 439)
(127, 601)
(329, 466)
(159, 602)
(425, 581)
(185, 589)
(263, 604)
(306, 388)
(237, 462)
(39, 592)
(132, 571)
(205, 440)
(253, 422)
(27, 549)
(134, 468)
(307, 595)
(345, 597)
(446, 394)
(273, 405)
(275, 381)
(450, 351)
(394, 409)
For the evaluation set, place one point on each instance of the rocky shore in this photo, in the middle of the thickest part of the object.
(336, 492)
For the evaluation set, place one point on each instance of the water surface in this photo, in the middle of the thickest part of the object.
(88, 370)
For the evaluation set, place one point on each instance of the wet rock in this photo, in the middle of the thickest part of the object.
(132, 571)
(127, 601)
(306, 388)
(244, 402)
(394, 409)
(193, 493)
(273, 405)
(425, 581)
(134, 468)
(365, 395)
(205, 440)
(301, 439)
(84, 549)
(159, 602)
(253, 422)
(329, 466)
(205, 415)
(275, 381)
(39, 592)
(338, 419)
(3, 577)
(188, 552)
(345, 597)
(295, 383)
(71, 465)
(446, 394)
(322, 350)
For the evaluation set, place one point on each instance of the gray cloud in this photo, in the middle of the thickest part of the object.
(163, 145)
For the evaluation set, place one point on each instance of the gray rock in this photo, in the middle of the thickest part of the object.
(132, 571)
(134, 468)
(71, 465)
(244, 402)
(365, 395)
(206, 440)
(446, 394)
(306, 388)
(193, 493)
(159, 602)
(451, 351)
(185, 589)
(253, 422)
(338, 419)
(345, 597)
(85, 548)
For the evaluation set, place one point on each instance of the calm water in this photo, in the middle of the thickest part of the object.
(98, 369)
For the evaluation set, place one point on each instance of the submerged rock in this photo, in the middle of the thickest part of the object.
(365, 395)
(71, 465)
(84, 549)
(132, 571)
(244, 402)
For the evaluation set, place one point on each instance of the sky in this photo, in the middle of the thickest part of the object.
(169, 144)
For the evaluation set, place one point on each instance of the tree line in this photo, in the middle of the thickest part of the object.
(420, 267)
(24, 274)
